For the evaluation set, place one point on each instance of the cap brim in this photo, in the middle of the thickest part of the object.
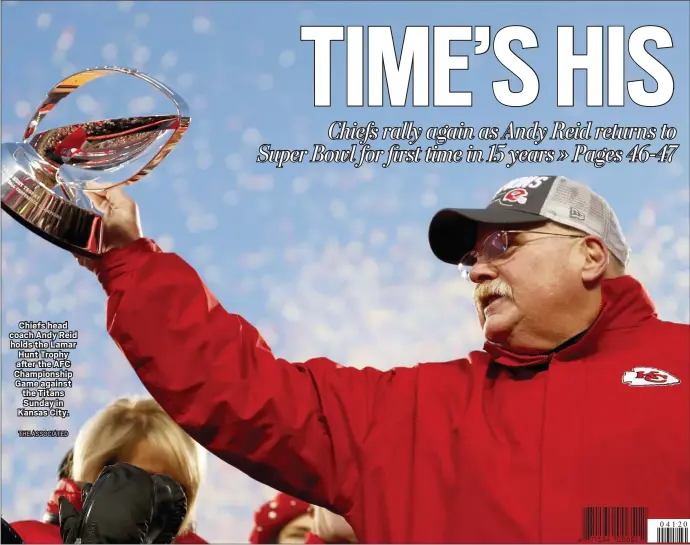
(453, 231)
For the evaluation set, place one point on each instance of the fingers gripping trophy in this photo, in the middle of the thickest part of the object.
(53, 181)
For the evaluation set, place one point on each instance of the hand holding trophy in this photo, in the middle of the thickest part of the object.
(42, 192)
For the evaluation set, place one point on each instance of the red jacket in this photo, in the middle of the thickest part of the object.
(491, 448)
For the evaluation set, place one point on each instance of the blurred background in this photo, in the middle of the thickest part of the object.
(324, 259)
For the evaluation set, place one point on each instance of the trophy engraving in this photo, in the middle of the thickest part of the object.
(45, 178)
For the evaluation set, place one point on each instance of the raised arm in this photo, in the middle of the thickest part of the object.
(295, 427)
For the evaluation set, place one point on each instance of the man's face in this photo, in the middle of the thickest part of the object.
(296, 530)
(519, 292)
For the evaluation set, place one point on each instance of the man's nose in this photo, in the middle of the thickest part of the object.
(482, 271)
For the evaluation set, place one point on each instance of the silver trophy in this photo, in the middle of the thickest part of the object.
(46, 178)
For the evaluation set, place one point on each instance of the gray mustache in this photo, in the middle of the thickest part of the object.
(492, 288)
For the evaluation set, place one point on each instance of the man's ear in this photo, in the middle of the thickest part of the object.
(596, 259)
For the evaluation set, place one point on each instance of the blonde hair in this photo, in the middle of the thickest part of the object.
(112, 434)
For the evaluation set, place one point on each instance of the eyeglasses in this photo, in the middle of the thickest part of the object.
(497, 244)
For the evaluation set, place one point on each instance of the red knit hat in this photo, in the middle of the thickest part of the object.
(274, 515)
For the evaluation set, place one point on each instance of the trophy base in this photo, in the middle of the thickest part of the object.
(51, 217)
(70, 247)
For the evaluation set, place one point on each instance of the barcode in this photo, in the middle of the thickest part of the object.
(614, 522)
(668, 530)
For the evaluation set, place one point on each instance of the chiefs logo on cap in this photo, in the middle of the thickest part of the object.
(515, 196)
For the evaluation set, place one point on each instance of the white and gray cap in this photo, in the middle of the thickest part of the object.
(529, 200)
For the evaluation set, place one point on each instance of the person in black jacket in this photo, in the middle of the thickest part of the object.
(125, 505)
(132, 430)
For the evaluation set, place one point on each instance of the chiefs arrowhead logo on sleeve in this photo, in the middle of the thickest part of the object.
(649, 376)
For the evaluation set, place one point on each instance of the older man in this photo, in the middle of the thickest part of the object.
(572, 424)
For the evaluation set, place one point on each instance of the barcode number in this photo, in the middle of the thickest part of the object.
(668, 530)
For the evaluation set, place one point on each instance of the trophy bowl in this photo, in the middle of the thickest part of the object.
(46, 177)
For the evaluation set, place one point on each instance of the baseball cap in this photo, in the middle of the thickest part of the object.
(524, 201)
